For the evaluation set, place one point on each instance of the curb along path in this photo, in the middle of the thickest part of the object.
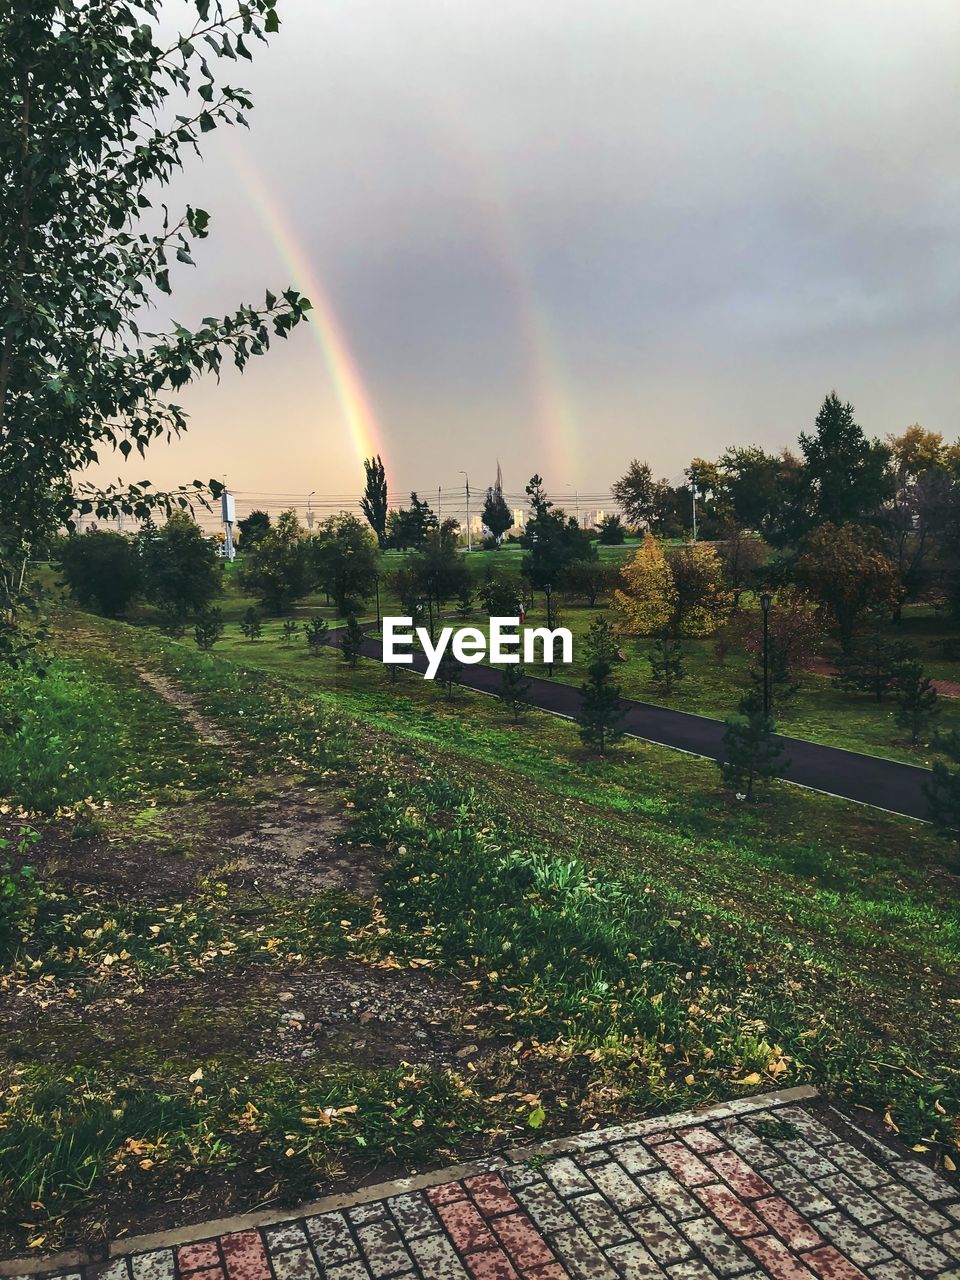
(852, 775)
(775, 1186)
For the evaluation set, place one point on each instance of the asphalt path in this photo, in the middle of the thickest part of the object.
(852, 775)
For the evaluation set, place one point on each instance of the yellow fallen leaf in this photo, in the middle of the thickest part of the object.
(949, 1165)
(752, 1078)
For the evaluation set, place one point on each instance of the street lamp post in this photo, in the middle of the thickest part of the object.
(766, 600)
(548, 592)
(376, 579)
(469, 534)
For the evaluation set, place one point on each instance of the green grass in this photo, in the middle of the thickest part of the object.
(649, 942)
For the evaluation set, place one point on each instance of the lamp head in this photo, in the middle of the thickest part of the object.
(766, 600)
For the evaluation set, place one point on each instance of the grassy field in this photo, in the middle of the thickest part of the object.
(541, 942)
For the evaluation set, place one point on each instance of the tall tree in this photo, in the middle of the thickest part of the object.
(102, 570)
(409, 526)
(252, 528)
(181, 570)
(279, 569)
(848, 573)
(646, 601)
(496, 515)
(553, 540)
(601, 706)
(701, 601)
(374, 503)
(635, 494)
(101, 103)
(846, 477)
(345, 560)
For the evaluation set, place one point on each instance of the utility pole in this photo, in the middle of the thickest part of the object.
(693, 493)
(310, 510)
(439, 498)
(469, 533)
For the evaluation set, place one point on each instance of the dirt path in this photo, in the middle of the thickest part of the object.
(206, 730)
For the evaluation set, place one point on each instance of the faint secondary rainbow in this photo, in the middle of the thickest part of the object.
(365, 432)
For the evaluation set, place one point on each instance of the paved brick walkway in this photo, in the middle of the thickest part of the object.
(772, 1186)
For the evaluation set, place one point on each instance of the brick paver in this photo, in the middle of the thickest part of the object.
(750, 1190)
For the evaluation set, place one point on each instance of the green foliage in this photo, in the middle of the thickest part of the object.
(515, 690)
(943, 790)
(499, 595)
(666, 663)
(465, 596)
(449, 671)
(288, 630)
(590, 579)
(554, 541)
(103, 104)
(409, 526)
(846, 477)
(352, 641)
(181, 569)
(375, 502)
(279, 569)
(874, 665)
(18, 897)
(208, 629)
(495, 514)
(252, 529)
(751, 755)
(438, 570)
(611, 531)
(917, 701)
(345, 561)
(251, 624)
(601, 706)
(102, 570)
(316, 631)
(66, 745)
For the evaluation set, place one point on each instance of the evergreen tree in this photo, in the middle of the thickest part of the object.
(288, 631)
(751, 754)
(515, 690)
(352, 641)
(916, 700)
(316, 632)
(846, 478)
(874, 665)
(943, 790)
(465, 596)
(373, 504)
(666, 663)
(449, 670)
(495, 514)
(601, 707)
(251, 624)
(611, 532)
(208, 629)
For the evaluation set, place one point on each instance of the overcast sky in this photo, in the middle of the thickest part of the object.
(566, 234)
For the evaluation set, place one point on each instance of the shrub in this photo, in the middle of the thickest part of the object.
(102, 570)
(209, 629)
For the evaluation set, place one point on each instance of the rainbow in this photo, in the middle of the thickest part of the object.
(365, 432)
(554, 407)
